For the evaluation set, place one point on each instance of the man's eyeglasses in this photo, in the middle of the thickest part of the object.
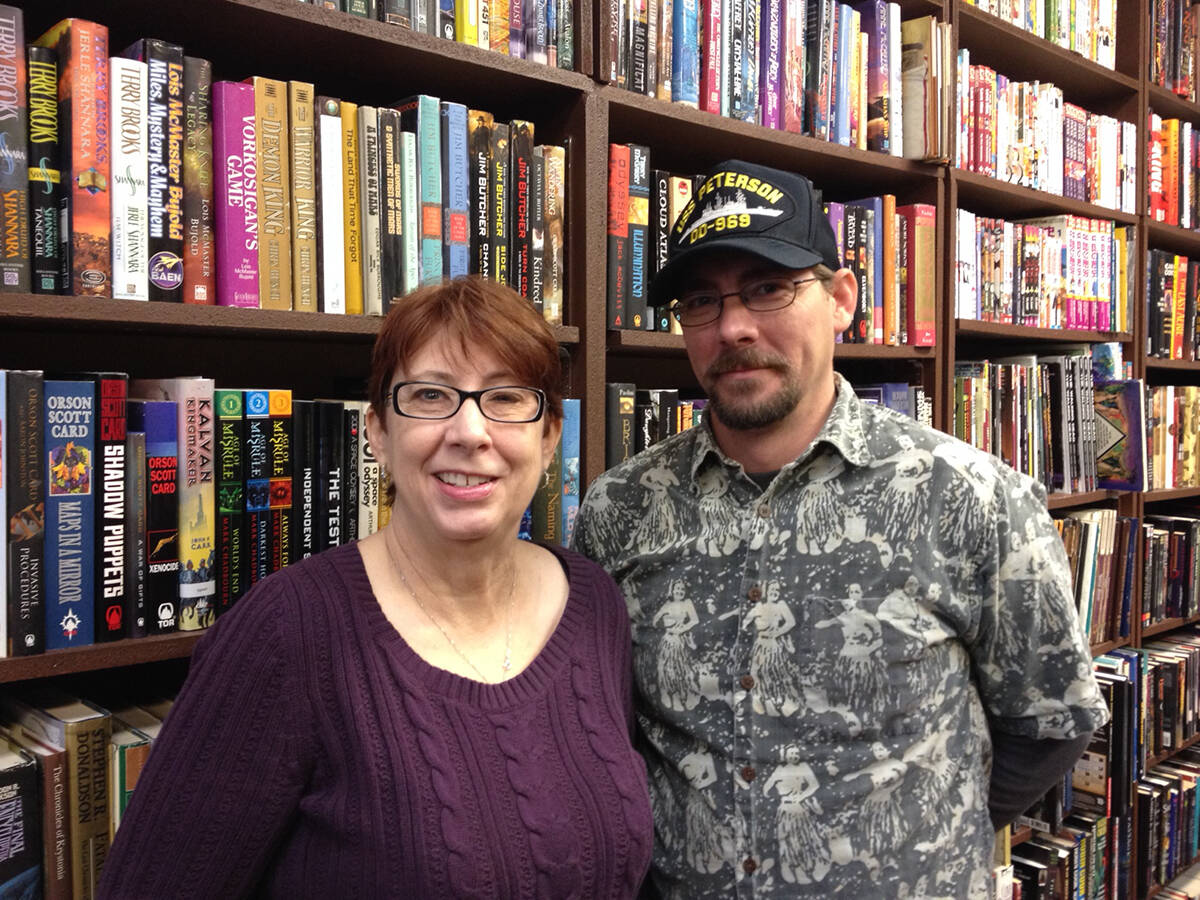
(430, 400)
(762, 295)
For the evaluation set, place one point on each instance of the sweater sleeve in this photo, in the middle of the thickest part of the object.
(226, 774)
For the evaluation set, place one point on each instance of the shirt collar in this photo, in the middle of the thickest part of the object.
(843, 430)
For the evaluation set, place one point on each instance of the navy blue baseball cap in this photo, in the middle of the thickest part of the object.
(755, 209)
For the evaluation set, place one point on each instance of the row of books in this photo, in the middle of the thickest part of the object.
(1101, 548)
(1171, 286)
(1171, 157)
(1024, 133)
(1170, 582)
(1173, 46)
(68, 768)
(1076, 860)
(908, 399)
(1052, 272)
(1086, 27)
(542, 31)
(316, 203)
(1173, 436)
(141, 516)
(551, 514)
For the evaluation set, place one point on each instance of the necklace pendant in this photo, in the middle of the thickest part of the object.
(507, 659)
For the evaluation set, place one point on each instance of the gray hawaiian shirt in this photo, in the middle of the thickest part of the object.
(818, 664)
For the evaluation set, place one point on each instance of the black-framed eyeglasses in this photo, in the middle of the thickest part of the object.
(503, 403)
(761, 295)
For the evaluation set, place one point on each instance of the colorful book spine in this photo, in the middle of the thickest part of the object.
(709, 33)
(136, 564)
(516, 27)
(877, 26)
(566, 37)
(331, 221)
(466, 21)
(536, 18)
(235, 177)
(554, 268)
(86, 254)
(537, 232)
(498, 208)
(45, 175)
(111, 573)
(369, 188)
(303, 195)
(256, 457)
(352, 210)
(572, 422)
(230, 499)
(455, 190)
(499, 26)
(15, 263)
(23, 440)
(520, 149)
(351, 431)
(281, 479)
(421, 115)
(685, 53)
(773, 34)
(547, 502)
(921, 295)
(274, 205)
(639, 236)
(157, 420)
(199, 256)
(70, 453)
(479, 147)
(130, 164)
(618, 236)
(391, 212)
(412, 243)
(165, 121)
(304, 468)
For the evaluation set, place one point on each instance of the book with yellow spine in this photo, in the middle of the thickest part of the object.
(303, 196)
(274, 182)
(351, 209)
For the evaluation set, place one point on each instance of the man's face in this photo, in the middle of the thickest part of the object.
(757, 368)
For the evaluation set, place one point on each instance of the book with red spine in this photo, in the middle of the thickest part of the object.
(618, 235)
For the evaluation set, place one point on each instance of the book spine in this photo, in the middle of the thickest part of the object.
(157, 420)
(351, 428)
(618, 236)
(330, 449)
(619, 401)
(136, 586)
(70, 453)
(165, 124)
(303, 480)
(83, 105)
(498, 213)
(710, 37)
(635, 46)
(111, 575)
(537, 232)
(87, 753)
(455, 191)
(554, 267)
(637, 313)
(331, 266)
(499, 25)
(659, 239)
(274, 206)
(199, 272)
(352, 210)
(391, 215)
(256, 458)
(230, 499)
(520, 243)
(45, 175)
(397, 12)
(566, 37)
(23, 461)
(479, 143)
(369, 200)
(128, 126)
(421, 116)
(535, 17)
(236, 190)
(922, 241)
(751, 51)
(15, 264)
(282, 551)
(572, 421)
(774, 32)
(303, 195)
(685, 53)
(368, 479)
(196, 480)
(466, 21)
(410, 212)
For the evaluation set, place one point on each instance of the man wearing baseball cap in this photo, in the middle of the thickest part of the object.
(840, 617)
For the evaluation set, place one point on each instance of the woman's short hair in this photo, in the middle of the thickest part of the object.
(477, 314)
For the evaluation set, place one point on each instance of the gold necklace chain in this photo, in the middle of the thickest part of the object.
(506, 665)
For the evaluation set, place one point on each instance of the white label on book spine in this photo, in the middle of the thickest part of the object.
(130, 198)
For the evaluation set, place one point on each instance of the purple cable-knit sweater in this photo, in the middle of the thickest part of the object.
(312, 753)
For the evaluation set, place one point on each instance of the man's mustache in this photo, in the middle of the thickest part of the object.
(746, 358)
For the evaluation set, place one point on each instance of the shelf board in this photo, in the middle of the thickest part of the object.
(99, 656)
(971, 328)
(38, 311)
(1023, 56)
(1167, 754)
(688, 139)
(1179, 365)
(1101, 649)
(1067, 501)
(1162, 236)
(659, 343)
(1168, 625)
(982, 194)
(1020, 834)
(1164, 494)
(1170, 105)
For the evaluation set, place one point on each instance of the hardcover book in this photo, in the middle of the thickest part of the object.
(421, 115)
(256, 459)
(498, 208)
(637, 314)
(352, 210)
(554, 252)
(53, 813)
(165, 120)
(329, 429)
(14, 138)
(236, 188)
(130, 165)
(331, 221)
(479, 144)
(231, 546)
(520, 237)
(156, 419)
(618, 236)
(304, 467)
(199, 253)
(45, 176)
(25, 474)
(70, 448)
(86, 253)
(351, 417)
(303, 195)
(111, 573)
(281, 479)
(370, 197)
(137, 591)
(619, 409)
(368, 479)
(273, 182)
(1120, 450)
(537, 232)
(412, 241)
(571, 484)
(455, 190)
(391, 212)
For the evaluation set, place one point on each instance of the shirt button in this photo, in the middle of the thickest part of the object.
(748, 773)
(764, 510)
(754, 594)
(749, 866)
(747, 682)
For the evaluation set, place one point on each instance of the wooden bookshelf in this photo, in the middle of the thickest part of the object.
(997, 331)
(1168, 625)
(99, 656)
(1086, 498)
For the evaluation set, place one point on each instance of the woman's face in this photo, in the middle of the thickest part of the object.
(465, 478)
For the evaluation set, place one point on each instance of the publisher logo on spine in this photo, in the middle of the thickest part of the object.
(166, 270)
